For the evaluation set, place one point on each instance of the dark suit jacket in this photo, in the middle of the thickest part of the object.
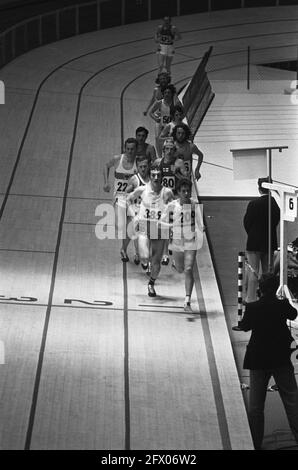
(256, 224)
(269, 346)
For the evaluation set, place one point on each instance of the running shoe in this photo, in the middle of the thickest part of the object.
(144, 266)
(165, 260)
(151, 290)
(187, 307)
(136, 259)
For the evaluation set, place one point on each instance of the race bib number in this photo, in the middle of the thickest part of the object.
(152, 214)
(187, 165)
(121, 186)
(187, 217)
(168, 182)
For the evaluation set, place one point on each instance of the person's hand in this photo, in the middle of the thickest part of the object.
(107, 187)
(197, 174)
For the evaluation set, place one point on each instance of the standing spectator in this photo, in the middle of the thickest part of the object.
(292, 267)
(269, 354)
(256, 224)
(165, 36)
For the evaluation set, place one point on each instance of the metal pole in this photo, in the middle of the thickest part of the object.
(241, 256)
(269, 211)
(241, 265)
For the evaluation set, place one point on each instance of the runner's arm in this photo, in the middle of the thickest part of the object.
(106, 172)
(177, 34)
(153, 99)
(196, 151)
(136, 193)
(152, 153)
(131, 185)
(155, 107)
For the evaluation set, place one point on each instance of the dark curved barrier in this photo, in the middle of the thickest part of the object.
(24, 26)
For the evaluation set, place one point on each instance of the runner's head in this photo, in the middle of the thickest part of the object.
(168, 148)
(177, 113)
(167, 20)
(183, 188)
(143, 165)
(130, 147)
(169, 92)
(141, 134)
(155, 175)
(181, 133)
(163, 79)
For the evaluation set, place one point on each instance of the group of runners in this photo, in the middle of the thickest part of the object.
(152, 191)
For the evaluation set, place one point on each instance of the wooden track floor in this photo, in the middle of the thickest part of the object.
(91, 362)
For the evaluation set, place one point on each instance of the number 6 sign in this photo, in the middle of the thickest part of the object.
(290, 207)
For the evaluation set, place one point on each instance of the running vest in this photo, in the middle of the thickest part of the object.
(168, 174)
(184, 216)
(165, 113)
(134, 206)
(167, 35)
(152, 204)
(122, 175)
(141, 182)
(185, 154)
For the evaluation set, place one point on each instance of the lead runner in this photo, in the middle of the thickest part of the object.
(154, 198)
(165, 36)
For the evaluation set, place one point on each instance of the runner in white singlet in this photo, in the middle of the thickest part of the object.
(124, 168)
(162, 81)
(176, 118)
(165, 36)
(187, 236)
(141, 178)
(161, 113)
(154, 198)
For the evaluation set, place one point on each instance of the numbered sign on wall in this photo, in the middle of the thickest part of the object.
(290, 211)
